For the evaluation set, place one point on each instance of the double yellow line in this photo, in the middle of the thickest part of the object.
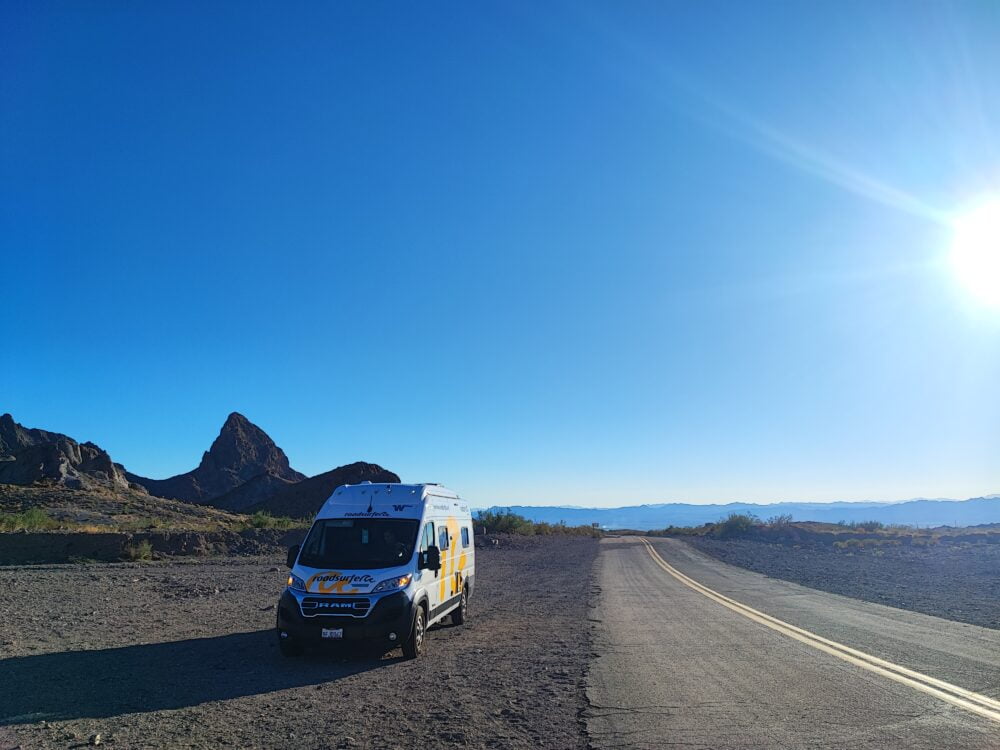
(976, 703)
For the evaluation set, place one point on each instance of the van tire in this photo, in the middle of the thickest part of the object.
(461, 613)
(414, 645)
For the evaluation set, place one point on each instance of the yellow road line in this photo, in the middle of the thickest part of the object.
(979, 704)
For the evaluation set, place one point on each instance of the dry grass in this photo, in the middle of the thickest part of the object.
(55, 508)
(141, 551)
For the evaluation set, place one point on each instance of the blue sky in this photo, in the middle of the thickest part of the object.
(594, 254)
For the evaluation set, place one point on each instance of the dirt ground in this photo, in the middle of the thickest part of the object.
(958, 582)
(183, 654)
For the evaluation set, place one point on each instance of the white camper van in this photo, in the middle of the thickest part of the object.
(381, 564)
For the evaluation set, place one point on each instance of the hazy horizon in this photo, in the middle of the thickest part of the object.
(568, 252)
(736, 502)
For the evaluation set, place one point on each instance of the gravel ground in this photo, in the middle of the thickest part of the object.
(183, 654)
(959, 582)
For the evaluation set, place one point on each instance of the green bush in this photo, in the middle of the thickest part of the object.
(32, 519)
(141, 551)
(505, 521)
(863, 525)
(679, 531)
(735, 524)
(264, 520)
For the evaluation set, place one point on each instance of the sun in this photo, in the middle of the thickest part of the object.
(975, 251)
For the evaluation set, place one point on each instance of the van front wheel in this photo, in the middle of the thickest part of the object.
(414, 645)
(461, 614)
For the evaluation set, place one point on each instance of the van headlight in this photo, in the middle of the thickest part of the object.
(393, 584)
(296, 583)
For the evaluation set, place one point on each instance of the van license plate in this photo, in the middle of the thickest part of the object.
(333, 632)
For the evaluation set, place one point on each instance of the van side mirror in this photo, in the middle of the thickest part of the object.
(431, 559)
(293, 554)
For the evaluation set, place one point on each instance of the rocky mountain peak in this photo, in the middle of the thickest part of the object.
(15, 438)
(241, 452)
(245, 449)
(235, 421)
(31, 456)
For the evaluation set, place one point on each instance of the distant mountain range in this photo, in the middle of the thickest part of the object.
(242, 471)
(920, 512)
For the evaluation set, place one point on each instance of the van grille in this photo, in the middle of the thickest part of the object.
(314, 606)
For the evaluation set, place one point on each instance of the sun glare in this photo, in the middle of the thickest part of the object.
(975, 251)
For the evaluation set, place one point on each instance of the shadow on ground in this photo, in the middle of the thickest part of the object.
(157, 676)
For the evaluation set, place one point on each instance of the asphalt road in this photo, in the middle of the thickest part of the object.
(751, 661)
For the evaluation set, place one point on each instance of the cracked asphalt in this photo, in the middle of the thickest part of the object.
(675, 668)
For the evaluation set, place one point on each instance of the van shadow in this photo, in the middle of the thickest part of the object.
(157, 676)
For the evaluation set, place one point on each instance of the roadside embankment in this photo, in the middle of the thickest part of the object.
(956, 577)
(23, 548)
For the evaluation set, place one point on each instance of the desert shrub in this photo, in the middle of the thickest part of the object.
(780, 520)
(679, 531)
(264, 520)
(32, 519)
(505, 521)
(735, 524)
(138, 523)
(855, 545)
(87, 528)
(141, 551)
(542, 527)
(863, 525)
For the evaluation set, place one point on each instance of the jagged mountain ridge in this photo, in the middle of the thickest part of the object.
(240, 454)
(256, 476)
(32, 456)
(243, 470)
(304, 498)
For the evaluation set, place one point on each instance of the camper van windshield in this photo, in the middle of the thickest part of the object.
(359, 543)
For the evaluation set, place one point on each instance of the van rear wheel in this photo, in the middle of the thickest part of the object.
(461, 614)
(414, 645)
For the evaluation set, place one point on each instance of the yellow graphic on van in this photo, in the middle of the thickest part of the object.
(453, 562)
(335, 582)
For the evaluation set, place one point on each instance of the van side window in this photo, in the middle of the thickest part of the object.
(427, 540)
(465, 537)
(443, 538)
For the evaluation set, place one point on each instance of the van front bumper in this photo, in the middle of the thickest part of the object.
(391, 614)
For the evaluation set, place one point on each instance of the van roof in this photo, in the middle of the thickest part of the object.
(353, 492)
(391, 500)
